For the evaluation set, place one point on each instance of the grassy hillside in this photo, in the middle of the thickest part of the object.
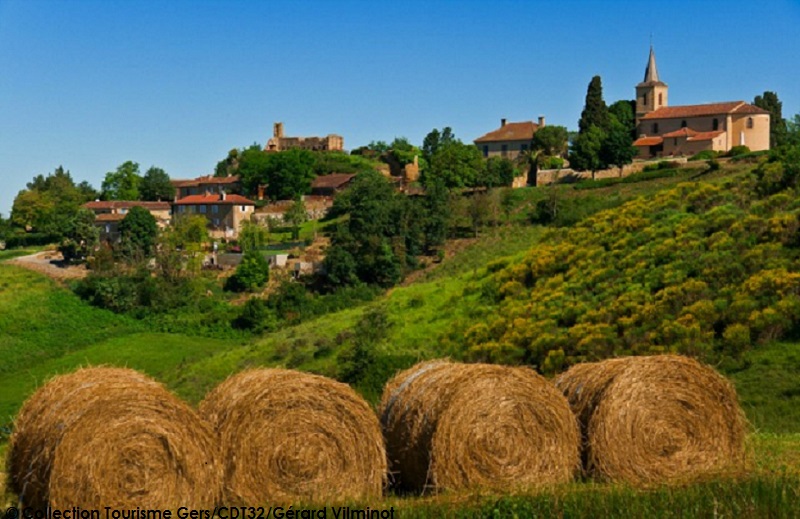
(634, 238)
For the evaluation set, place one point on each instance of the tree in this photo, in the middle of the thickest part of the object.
(137, 232)
(436, 215)
(595, 112)
(251, 274)
(585, 152)
(155, 185)
(295, 217)
(457, 164)
(499, 171)
(81, 236)
(625, 112)
(122, 184)
(617, 148)
(32, 210)
(777, 124)
(551, 141)
(253, 236)
(287, 174)
(434, 140)
(229, 165)
(179, 249)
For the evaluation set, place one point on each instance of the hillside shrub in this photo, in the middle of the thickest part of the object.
(251, 274)
(704, 155)
(737, 151)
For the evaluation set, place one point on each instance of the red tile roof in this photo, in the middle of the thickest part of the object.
(675, 112)
(214, 200)
(511, 132)
(126, 204)
(332, 181)
(705, 136)
(208, 179)
(648, 141)
(683, 132)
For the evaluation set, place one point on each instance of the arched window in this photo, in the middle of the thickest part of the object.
(715, 125)
(660, 99)
(683, 123)
(750, 123)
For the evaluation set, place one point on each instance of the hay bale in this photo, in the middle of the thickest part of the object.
(288, 436)
(650, 420)
(111, 437)
(455, 426)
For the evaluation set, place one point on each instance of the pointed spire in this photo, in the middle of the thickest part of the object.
(651, 72)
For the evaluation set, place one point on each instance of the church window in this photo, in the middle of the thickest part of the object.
(750, 123)
(715, 125)
(683, 123)
(655, 128)
(660, 99)
(644, 99)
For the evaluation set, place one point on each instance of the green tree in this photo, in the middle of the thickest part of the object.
(625, 113)
(436, 215)
(434, 140)
(777, 124)
(179, 250)
(617, 148)
(457, 164)
(251, 274)
(287, 174)
(155, 185)
(122, 184)
(253, 236)
(32, 210)
(498, 172)
(229, 165)
(295, 217)
(137, 232)
(81, 236)
(595, 112)
(551, 141)
(585, 152)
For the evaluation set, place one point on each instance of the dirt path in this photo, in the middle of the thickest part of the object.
(50, 264)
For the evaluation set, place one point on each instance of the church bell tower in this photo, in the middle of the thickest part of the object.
(651, 94)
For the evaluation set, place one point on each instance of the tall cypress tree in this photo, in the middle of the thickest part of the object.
(595, 111)
(777, 124)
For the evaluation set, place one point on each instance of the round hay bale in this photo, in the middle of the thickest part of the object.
(659, 419)
(289, 436)
(111, 437)
(451, 426)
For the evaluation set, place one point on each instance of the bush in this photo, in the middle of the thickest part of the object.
(551, 163)
(251, 274)
(704, 155)
(255, 316)
(737, 150)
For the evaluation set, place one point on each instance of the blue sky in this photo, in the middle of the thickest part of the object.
(92, 84)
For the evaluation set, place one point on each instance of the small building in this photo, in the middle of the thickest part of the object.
(280, 142)
(208, 184)
(225, 213)
(510, 140)
(665, 130)
(330, 185)
(108, 214)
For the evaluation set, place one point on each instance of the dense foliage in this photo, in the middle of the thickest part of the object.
(703, 269)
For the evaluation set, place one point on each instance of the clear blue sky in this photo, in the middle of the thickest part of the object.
(176, 84)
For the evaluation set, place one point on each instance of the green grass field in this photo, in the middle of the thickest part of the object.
(46, 330)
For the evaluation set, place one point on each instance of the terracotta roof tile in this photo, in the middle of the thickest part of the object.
(511, 132)
(683, 132)
(207, 179)
(705, 136)
(750, 109)
(648, 141)
(674, 112)
(214, 200)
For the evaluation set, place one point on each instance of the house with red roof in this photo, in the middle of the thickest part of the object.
(207, 184)
(225, 213)
(665, 131)
(108, 214)
(510, 140)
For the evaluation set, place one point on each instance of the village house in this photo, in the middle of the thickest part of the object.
(330, 185)
(510, 140)
(279, 141)
(665, 130)
(207, 184)
(225, 213)
(108, 214)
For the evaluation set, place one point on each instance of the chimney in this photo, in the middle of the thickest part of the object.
(541, 121)
(502, 122)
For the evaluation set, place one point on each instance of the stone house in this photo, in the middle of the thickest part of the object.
(108, 214)
(510, 140)
(207, 184)
(225, 213)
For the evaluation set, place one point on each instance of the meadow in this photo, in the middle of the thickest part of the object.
(45, 329)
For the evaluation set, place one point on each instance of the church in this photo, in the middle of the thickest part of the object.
(669, 131)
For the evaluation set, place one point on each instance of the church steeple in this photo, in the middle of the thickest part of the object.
(651, 72)
(651, 94)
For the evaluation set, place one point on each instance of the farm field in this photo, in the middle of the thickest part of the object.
(45, 329)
